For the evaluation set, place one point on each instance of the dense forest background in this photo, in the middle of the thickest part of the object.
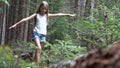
(96, 24)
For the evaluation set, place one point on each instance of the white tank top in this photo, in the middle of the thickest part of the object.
(41, 24)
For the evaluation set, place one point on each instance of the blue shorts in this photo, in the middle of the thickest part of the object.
(41, 37)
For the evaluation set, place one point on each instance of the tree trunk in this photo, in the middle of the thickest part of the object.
(26, 24)
(81, 7)
(17, 11)
(1, 14)
(11, 19)
(3, 26)
(92, 8)
(21, 15)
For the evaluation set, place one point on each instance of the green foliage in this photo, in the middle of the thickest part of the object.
(9, 60)
(57, 29)
(5, 1)
(51, 53)
(5, 54)
(103, 30)
(58, 26)
(61, 50)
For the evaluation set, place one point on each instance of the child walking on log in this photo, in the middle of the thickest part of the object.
(40, 29)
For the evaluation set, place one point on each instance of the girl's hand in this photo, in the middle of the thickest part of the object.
(72, 15)
(13, 26)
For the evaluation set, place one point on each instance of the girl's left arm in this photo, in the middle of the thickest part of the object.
(60, 14)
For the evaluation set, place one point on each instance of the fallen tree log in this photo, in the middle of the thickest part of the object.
(99, 58)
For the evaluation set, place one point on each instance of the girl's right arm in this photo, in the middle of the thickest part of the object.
(23, 20)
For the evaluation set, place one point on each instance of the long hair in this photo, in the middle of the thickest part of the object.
(44, 3)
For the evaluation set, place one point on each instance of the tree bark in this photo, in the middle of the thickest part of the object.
(3, 26)
(81, 7)
(1, 14)
(92, 8)
(26, 24)
(17, 11)
(11, 19)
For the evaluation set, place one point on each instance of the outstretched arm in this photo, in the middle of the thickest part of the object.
(60, 14)
(23, 20)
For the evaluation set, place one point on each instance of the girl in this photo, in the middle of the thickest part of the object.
(40, 29)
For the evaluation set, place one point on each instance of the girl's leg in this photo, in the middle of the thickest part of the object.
(42, 44)
(38, 50)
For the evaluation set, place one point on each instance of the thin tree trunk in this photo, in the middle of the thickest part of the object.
(105, 21)
(81, 7)
(26, 24)
(1, 20)
(92, 8)
(3, 26)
